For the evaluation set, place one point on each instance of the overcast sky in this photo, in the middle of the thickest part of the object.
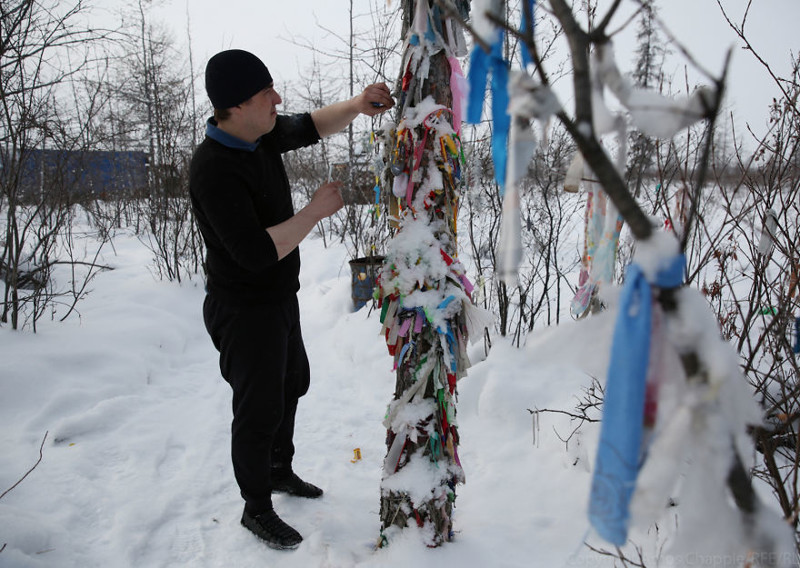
(266, 28)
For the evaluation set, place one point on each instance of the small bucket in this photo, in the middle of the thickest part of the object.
(364, 274)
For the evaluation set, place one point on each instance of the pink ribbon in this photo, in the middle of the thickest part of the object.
(458, 86)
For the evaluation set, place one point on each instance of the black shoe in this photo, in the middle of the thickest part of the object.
(272, 530)
(293, 485)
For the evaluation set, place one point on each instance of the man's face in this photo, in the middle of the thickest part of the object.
(261, 110)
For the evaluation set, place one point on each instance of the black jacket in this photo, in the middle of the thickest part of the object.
(236, 194)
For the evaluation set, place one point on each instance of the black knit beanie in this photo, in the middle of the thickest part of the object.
(233, 76)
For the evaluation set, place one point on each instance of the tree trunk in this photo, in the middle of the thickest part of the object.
(424, 321)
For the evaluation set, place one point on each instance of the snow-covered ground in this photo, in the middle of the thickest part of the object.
(136, 469)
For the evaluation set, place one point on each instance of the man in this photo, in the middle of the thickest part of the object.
(242, 202)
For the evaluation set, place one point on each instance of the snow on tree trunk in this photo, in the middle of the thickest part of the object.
(426, 309)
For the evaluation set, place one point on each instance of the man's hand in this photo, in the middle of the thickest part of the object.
(326, 201)
(335, 117)
(375, 99)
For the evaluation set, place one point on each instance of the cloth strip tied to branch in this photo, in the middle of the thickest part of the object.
(620, 451)
(481, 64)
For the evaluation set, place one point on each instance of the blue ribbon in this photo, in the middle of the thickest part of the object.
(446, 302)
(481, 63)
(437, 22)
(796, 347)
(403, 352)
(527, 59)
(451, 345)
(430, 35)
(478, 72)
(620, 452)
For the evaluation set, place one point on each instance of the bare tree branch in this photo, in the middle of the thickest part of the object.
(27, 473)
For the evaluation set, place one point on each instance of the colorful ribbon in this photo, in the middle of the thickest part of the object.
(796, 348)
(619, 452)
(458, 87)
(527, 59)
(481, 63)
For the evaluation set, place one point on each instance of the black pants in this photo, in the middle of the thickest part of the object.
(263, 358)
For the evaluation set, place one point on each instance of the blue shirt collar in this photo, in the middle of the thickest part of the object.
(229, 140)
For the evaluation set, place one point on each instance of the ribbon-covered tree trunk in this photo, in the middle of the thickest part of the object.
(423, 292)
